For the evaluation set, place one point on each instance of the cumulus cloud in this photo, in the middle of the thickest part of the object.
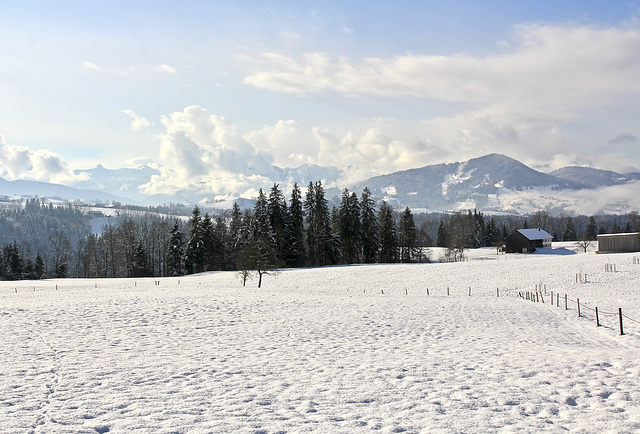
(166, 68)
(289, 144)
(22, 163)
(204, 153)
(138, 123)
(519, 100)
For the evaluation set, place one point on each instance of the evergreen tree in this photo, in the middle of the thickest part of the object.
(211, 243)
(195, 252)
(38, 268)
(368, 227)
(407, 238)
(387, 234)
(12, 262)
(279, 221)
(592, 230)
(234, 241)
(322, 245)
(261, 226)
(176, 251)
(220, 233)
(140, 266)
(297, 255)
(441, 238)
(491, 235)
(478, 229)
(569, 233)
(349, 229)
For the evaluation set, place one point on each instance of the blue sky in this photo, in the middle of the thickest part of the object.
(208, 90)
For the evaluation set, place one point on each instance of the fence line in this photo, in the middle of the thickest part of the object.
(537, 297)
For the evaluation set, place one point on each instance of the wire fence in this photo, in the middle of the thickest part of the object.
(538, 297)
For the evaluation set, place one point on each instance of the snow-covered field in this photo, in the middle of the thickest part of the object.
(337, 349)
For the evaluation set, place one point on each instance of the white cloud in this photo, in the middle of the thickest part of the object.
(22, 163)
(166, 68)
(289, 144)
(138, 123)
(90, 65)
(520, 101)
(204, 152)
(565, 67)
(116, 70)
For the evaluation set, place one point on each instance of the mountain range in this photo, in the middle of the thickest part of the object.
(493, 183)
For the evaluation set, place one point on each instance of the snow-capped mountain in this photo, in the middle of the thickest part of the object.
(44, 189)
(492, 183)
(471, 183)
(495, 183)
(594, 177)
(125, 182)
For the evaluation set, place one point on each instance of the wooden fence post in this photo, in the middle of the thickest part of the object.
(497, 292)
(597, 319)
(565, 302)
(469, 291)
(620, 315)
(447, 290)
(557, 299)
(578, 306)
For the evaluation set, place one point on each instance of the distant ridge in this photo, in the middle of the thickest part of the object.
(44, 189)
(491, 183)
(470, 183)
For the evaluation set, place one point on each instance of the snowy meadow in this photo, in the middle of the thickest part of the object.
(336, 349)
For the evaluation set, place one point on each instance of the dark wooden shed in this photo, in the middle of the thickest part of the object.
(612, 243)
(527, 240)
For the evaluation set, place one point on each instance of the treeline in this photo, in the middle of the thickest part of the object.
(472, 229)
(302, 233)
(44, 241)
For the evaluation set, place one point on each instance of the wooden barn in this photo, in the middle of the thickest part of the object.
(527, 240)
(612, 243)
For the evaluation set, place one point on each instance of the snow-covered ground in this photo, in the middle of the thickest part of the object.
(337, 349)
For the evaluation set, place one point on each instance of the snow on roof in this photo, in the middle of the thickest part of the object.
(535, 234)
(627, 234)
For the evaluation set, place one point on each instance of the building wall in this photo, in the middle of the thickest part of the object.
(517, 243)
(619, 243)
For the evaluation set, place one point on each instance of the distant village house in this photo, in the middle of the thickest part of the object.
(527, 240)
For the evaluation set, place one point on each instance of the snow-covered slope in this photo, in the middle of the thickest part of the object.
(594, 177)
(22, 188)
(471, 184)
(339, 349)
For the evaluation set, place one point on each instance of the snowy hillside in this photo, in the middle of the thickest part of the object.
(496, 183)
(338, 349)
(594, 177)
(476, 183)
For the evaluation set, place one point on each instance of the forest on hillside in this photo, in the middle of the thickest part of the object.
(44, 241)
